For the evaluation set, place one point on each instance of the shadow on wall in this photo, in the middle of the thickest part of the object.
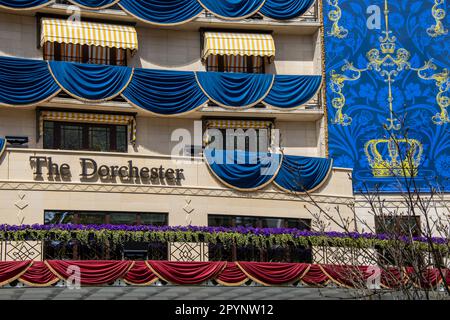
(166, 49)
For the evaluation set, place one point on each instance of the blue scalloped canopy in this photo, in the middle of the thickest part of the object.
(232, 8)
(94, 4)
(2, 145)
(90, 81)
(163, 11)
(163, 92)
(302, 174)
(285, 9)
(23, 4)
(292, 91)
(25, 82)
(243, 170)
(235, 89)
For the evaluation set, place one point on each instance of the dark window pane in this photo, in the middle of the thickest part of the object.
(58, 217)
(247, 221)
(121, 139)
(99, 138)
(155, 219)
(71, 137)
(49, 135)
(92, 218)
(272, 223)
(123, 218)
(85, 136)
(220, 221)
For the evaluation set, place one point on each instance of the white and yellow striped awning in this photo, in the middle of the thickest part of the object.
(244, 44)
(90, 118)
(238, 124)
(88, 33)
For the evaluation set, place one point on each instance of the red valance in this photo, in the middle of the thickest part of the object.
(10, 271)
(140, 274)
(232, 275)
(91, 272)
(186, 273)
(41, 274)
(268, 273)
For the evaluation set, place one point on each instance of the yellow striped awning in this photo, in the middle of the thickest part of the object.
(244, 44)
(88, 33)
(90, 118)
(238, 124)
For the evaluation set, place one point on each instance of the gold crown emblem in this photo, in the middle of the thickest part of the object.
(402, 157)
(387, 47)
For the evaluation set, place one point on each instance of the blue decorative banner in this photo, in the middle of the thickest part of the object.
(387, 68)
(172, 12)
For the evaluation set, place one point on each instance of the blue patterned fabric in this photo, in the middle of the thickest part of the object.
(94, 4)
(292, 91)
(162, 11)
(90, 81)
(232, 8)
(238, 90)
(388, 91)
(2, 146)
(165, 92)
(285, 9)
(23, 4)
(25, 82)
(243, 170)
(301, 174)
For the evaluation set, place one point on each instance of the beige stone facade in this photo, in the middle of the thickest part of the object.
(24, 196)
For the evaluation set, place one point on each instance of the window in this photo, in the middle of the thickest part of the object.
(249, 252)
(69, 52)
(244, 135)
(258, 222)
(98, 250)
(398, 225)
(245, 64)
(85, 136)
(116, 218)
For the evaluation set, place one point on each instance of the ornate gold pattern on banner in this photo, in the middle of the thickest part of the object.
(388, 61)
(438, 13)
(335, 15)
(394, 165)
(443, 83)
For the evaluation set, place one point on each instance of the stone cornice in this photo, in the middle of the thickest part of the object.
(168, 190)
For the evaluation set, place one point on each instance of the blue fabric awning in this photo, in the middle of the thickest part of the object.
(247, 171)
(303, 174)
(241, 170)
(285, 9)
(165, 93)
(23, 4)
(91, 82)
(94, 4)
(171, 12)
(167, 12)
(232, 9)
(290, 92)
(25, 82)
(237, 90)
(2, 146)
(31, 82)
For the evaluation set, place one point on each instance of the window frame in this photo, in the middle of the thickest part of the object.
(113, 141)
(259, 220)
(107, 215)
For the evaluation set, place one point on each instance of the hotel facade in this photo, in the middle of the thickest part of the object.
(109, 112)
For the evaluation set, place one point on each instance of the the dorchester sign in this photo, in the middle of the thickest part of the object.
(90, 169)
